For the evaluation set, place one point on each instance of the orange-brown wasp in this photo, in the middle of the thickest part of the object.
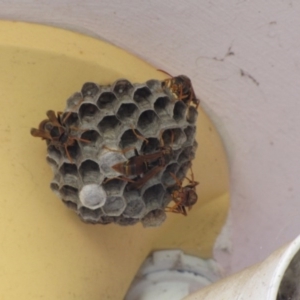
(147, 165)
(184, 197)
(138, 183)
(56, 133)
(140, 164)
(181, 88)
(154, 163)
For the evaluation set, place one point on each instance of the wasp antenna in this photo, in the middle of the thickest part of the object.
(160, 70)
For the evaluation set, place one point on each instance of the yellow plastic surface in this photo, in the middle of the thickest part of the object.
(46, 252)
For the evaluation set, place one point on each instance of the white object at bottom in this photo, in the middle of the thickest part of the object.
(172, 275)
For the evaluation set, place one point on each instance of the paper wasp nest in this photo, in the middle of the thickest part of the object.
(103, 126)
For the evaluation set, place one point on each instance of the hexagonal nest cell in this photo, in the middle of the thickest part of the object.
(120, 152)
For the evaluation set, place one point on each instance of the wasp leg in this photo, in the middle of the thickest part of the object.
(140, 137)
(119, 178)
(120, 151)
(68, 154)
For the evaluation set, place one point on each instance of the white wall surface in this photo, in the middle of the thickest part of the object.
(244, 60)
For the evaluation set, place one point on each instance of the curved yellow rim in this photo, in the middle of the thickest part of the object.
(45, 250)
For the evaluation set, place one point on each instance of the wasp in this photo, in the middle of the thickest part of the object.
(56, 132)
(139, 164)
(145, 166)
(138, 183)
(153, 164)
(184, 197)
(181, 88)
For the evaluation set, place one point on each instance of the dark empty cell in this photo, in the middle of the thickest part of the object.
(70, 119)
(90, 89)
(70, 204)
(154, 218)
(161, 105)
(135, 204)
(114, 205)
(122, 87)
(129, 139)
(106, 100)
(123, 221)
(142, 95)
(88, 111)
(192, 115)
(182, 172)
(190, 134)
(93, 214)
(109, 125)
(92, 136)
(68, 169)
(174, 137)
(69, 174)
(134, 208)
(153, 196)
(89, 171)
(54, 187)
(73, 150)
(169, 174)
(148, 122)
(69, 192)
(179, 111)
(176, 153)
(185, 155)
(113, 186)
(151, 146)
(54, 153)
(52, 162)
(127, 112)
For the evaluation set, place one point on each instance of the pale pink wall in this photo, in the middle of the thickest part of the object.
(244, 60)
